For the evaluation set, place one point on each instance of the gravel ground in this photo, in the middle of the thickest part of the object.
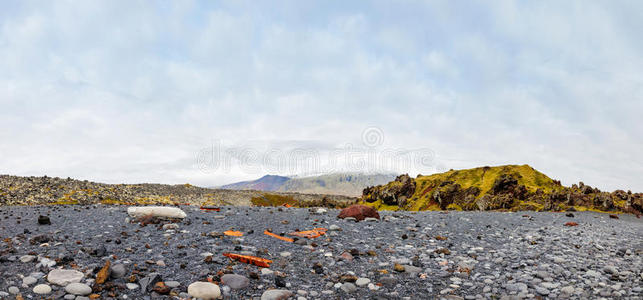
(426, 255)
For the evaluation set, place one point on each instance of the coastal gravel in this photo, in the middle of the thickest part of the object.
(99, 252)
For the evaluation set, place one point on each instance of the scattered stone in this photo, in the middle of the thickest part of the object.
(359, 212)
(234, 281)
(398, 267)
(77, 288)
(27, 258)
(348, 287)
(161, 288)
(362, 281)
(156, 211)
(44, 220)
(148, 282)
(63, 277)
(276, 295)
(118, 271)
(204, 290)
(13, 290)
(28, 280)
(42, 289)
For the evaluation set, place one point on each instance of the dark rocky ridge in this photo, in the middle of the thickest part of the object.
(504, 187)
(17, 190)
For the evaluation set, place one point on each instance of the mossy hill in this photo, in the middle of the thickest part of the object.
(510, 187)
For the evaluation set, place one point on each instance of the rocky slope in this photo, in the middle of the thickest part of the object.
(348, 184)
(510, 187)
(16, 190)
(405, 255)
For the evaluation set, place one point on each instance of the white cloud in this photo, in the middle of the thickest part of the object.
(129, 92)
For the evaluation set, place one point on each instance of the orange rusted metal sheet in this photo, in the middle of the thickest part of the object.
(247, 259)
(233, 233)
(310, 234)
(283, 238)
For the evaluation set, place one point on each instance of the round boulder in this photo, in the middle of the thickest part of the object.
(64, 277)
(78, 288)
(204, 290)
(235, 282)
(359, 212)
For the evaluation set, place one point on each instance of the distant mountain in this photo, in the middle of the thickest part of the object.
(266, 183)
(348, 184)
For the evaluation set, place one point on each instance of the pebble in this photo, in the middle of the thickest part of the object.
(42, 289)
(29, 280)
(276, 295)
(348, 287)
(235, 281)
(204, 290)
(27, 258)
(362, 281)
(13, 290)
(118, 271)
(64, 277)
(567, 290)
(78, 288)
(131, 286)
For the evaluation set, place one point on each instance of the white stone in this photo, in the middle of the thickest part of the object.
(27, 258)
(266, 271)
(64, 277)
(204, 290)
(29, 280)
(362, 281)
(276, 294)
(170, 226)
(42, 289)
(78, 288)
(156, 211)
(14, 290)
(131, 286)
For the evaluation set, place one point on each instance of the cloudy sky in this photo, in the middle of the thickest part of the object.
(154, 91)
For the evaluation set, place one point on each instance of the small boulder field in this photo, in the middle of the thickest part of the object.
(231, 252)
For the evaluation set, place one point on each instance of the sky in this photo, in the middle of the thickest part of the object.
(212, 92)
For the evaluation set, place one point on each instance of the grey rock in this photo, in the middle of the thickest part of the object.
(348, 287)
(147, 283)
(78, 288)
(64, 277)
(118, 271)
(276, 295)
(235, 281)
(13, 290)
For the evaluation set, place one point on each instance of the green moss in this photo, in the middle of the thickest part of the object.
(454, 206)
(483, 178)
(267, 199)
